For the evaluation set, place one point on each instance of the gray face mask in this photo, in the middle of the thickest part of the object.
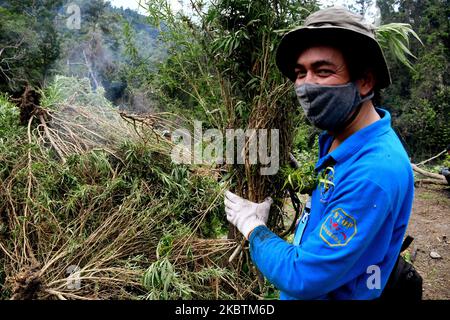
(328, 107)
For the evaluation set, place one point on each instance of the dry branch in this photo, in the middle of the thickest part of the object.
(432, 158)
(429, 174)
(431, 181)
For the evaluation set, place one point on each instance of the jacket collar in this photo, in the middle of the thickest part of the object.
(352, 144)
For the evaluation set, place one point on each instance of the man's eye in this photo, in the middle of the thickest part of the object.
(300, 74)
(324, 72)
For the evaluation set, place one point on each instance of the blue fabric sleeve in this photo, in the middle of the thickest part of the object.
(330, 256)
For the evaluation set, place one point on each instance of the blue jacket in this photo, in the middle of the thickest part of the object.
(359, 214)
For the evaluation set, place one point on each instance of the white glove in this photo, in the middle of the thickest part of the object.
(244, 214)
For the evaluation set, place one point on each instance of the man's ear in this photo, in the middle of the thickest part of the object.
(366, 83)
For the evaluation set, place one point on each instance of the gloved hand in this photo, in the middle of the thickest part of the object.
(244, 214)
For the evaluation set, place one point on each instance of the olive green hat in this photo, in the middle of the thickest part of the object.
(337, 26)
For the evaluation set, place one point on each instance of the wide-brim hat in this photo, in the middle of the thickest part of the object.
(335, 25)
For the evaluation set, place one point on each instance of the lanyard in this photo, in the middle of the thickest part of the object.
(302, 223)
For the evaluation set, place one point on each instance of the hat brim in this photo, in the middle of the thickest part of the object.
(296, 41)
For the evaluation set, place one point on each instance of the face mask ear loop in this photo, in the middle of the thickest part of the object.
(356, 112)
(369, 96)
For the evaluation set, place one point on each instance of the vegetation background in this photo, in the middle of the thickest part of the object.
(91, 205)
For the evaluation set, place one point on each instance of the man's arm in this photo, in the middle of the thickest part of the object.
(330, 256)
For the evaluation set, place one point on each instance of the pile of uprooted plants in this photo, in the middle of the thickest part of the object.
(91, 206)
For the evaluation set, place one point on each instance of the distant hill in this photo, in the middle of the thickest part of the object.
(82, 38)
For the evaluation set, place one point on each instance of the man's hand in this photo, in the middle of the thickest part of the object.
(244, 214)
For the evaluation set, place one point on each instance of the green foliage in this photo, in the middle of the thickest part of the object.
(9, 117)
(29, 43)
(73, 90)
(302, 179)
(163, 283)
(10, 135)
(187, 83)
(418, 99)
(36, 43)
(395, 37)
(407, 257)
(56, 92)
(446, 162)
(4, 293)
(110, 213)
(271, 293)
(139, 69)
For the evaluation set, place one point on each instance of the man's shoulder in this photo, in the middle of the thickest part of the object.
(385, 148)
(384, 161)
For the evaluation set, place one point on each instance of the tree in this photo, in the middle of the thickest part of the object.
(29, 43)
(419, 97)
(363, 5)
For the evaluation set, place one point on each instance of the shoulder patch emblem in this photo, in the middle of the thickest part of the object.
(338, 229)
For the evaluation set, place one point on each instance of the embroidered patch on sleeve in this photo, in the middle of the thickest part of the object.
(338, 229)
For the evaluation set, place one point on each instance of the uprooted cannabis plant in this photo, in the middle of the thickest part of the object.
(91, 207)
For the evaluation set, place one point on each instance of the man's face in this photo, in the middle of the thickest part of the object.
(321, 65)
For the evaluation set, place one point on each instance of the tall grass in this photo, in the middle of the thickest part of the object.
(104, 218)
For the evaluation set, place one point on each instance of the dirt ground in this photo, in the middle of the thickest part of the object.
(430, 226)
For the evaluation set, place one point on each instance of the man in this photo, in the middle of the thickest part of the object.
(349, 242)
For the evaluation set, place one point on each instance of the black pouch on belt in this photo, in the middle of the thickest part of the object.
(404, 283)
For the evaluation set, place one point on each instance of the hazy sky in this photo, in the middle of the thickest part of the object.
(371, 15)
(133, 4)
